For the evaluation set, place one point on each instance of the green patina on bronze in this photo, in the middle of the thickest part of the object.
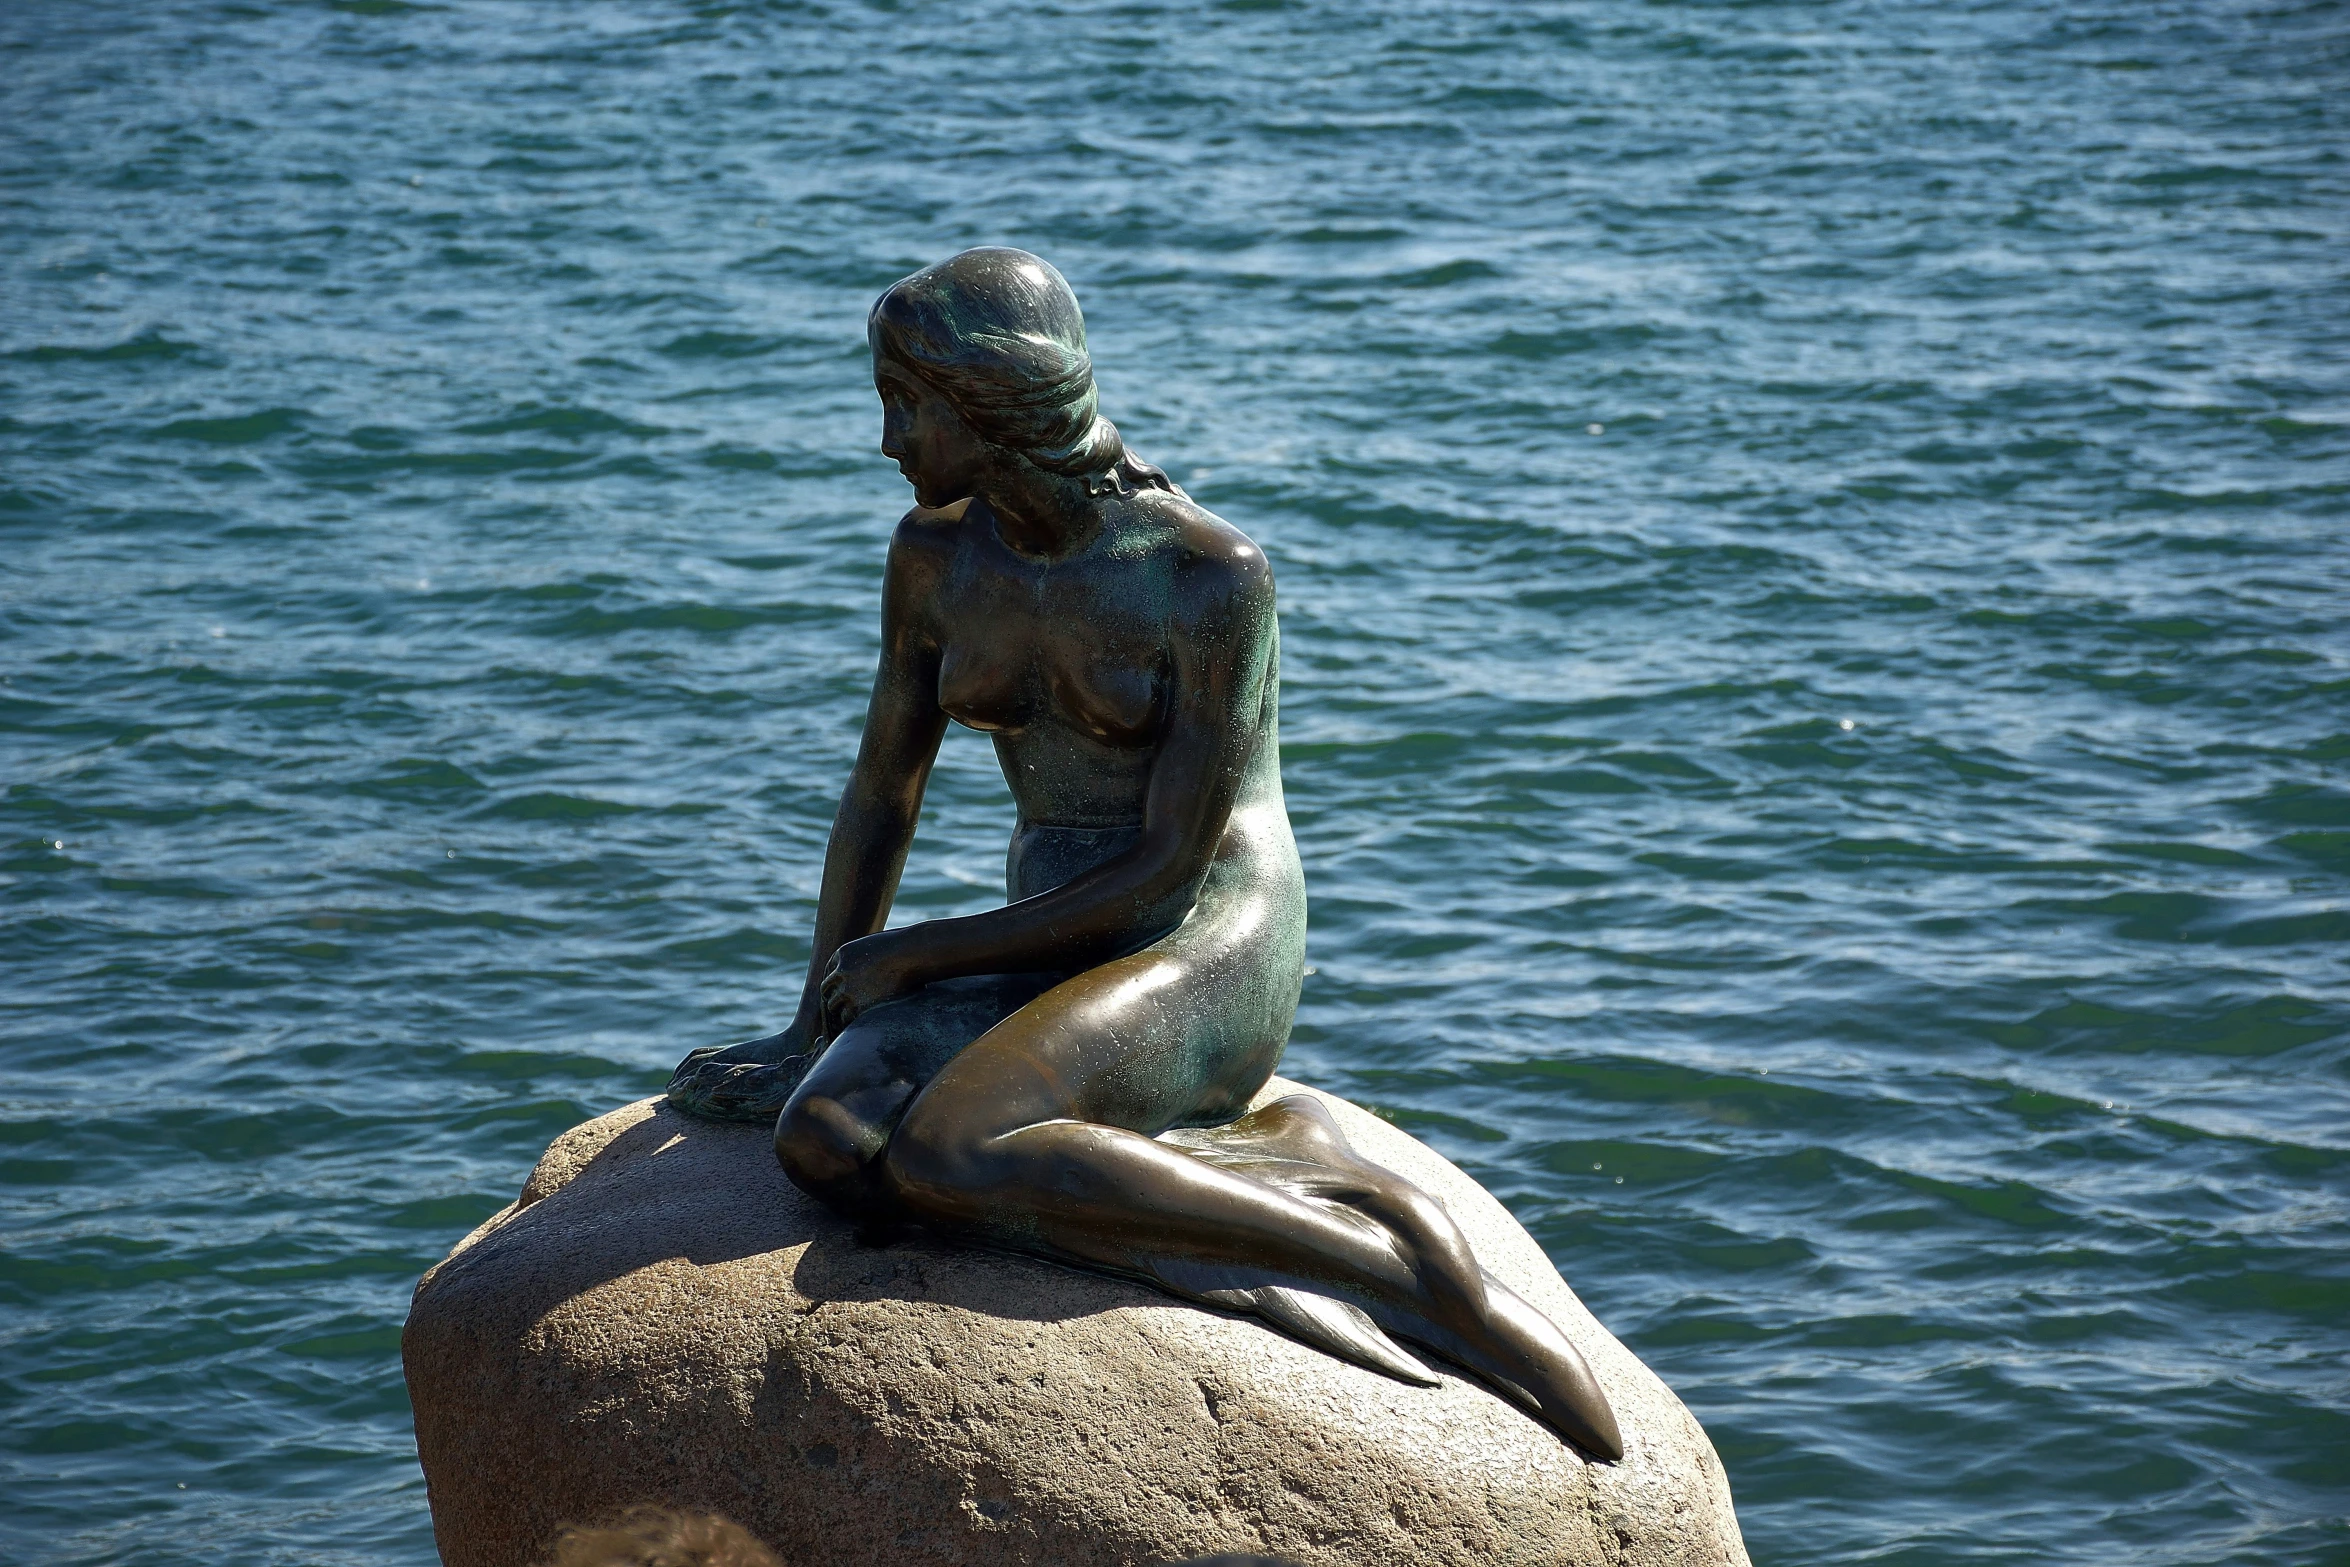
(1070, 1074)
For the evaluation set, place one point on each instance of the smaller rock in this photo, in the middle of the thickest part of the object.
(662, 1317)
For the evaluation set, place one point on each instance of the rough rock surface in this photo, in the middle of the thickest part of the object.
(662, 1316)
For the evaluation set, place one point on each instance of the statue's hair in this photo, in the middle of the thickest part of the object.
(998, 333)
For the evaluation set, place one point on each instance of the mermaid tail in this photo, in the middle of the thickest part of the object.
(1295, 1147)
(1292, 1144)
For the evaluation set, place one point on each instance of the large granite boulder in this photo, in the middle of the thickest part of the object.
(661, 1316)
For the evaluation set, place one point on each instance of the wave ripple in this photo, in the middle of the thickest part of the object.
(1811, 550)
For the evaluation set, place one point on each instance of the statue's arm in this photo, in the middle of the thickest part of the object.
(1220, 640)
(874, 826)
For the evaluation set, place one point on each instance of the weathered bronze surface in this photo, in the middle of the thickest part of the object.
(1067, 1074)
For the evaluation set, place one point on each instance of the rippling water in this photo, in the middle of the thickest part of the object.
(1818, 705)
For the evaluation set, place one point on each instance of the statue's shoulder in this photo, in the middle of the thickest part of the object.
(1223, 561)
(922, 551)
(927, 534)
(934, 522)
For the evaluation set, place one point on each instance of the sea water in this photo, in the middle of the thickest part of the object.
(1810, 541)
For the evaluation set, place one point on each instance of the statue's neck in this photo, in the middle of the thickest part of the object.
(1039, 513)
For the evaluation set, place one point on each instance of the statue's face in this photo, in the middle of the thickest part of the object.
(939, 453)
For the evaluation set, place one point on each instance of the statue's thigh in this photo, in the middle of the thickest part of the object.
(881, 1061)
(1181, 1033)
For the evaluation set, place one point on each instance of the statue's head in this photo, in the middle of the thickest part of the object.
(982, 358)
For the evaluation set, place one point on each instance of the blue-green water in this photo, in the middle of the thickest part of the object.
(1818, 702)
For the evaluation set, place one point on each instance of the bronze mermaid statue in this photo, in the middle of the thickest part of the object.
(1069, 1075)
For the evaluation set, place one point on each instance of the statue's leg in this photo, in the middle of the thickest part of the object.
(1044, 1127)
(831, 1132)
(1294, 1144)
(1040, 1135)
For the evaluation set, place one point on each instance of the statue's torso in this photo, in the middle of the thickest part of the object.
(1067, 666)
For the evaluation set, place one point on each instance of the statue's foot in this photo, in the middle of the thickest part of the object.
(1509, 1347)
(1520, 1353)
(745, 1082)
(1462, 1314)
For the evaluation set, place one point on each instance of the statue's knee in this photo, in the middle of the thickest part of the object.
(823, 1147)
(933, 1160)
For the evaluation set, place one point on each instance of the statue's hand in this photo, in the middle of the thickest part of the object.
(864, 974)
(745, 1082)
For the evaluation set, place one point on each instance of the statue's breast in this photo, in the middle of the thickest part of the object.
(981, 688)
(1118, 700)
(1116, 695)
(1076, 645)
